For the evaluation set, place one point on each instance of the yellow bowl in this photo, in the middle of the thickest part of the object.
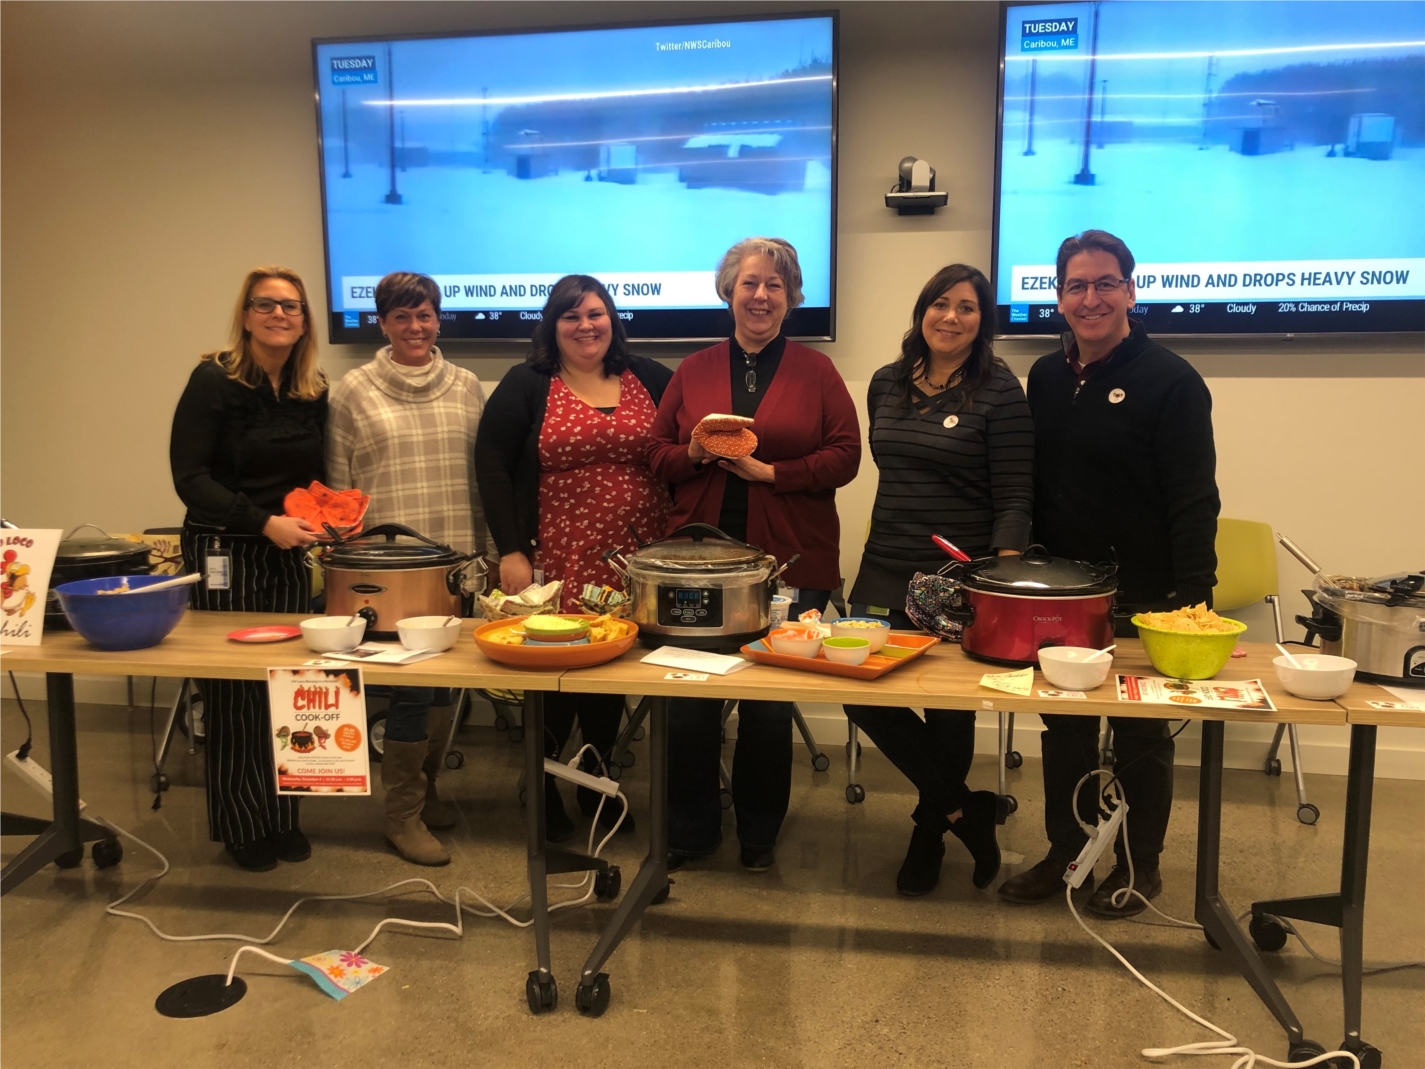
(1189, 654)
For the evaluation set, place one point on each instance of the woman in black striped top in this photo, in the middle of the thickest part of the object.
(953, 439)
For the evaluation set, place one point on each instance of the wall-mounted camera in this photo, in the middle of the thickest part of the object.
(914, 193)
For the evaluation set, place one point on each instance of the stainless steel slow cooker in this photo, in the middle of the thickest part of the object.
(96, 555)
(392, 572)
(698, 588)
(1380, 626)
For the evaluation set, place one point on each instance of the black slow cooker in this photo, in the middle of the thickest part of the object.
(95, 555)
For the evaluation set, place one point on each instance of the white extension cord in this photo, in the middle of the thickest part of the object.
(254, 944)
(1228, 1044)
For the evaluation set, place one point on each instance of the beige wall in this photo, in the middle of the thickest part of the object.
(153, 152)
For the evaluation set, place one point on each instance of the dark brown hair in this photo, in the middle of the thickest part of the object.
(564, 295)
(1088, 241)
(979, 366)
(405, 289)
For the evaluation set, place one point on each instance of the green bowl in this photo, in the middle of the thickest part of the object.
(555, 626)
(1189, 654)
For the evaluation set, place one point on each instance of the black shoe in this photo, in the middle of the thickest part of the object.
(1041, 883)
(557, 826)
(259, 856)
(1146, 881)
(976, 829)
(676, 861)
(291, 845)
(920, 871)
(758, 860)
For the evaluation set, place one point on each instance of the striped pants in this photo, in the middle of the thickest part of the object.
(243, 804)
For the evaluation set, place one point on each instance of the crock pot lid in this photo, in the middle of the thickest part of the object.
(688, 553)
(97, 545)
(1039, 573)
(398, 551)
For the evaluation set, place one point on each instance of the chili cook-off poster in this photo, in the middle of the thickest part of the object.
(319, 730)
(28, 559)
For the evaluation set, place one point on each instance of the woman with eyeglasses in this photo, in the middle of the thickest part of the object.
(249, 429)
(782, 498)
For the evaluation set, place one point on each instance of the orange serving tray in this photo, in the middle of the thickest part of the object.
(874, 667)
(559, 656)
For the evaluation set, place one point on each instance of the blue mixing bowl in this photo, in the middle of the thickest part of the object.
(122, 621)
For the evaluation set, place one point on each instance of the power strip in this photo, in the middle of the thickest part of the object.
(35, 774)
(602, 784)
(1101, 838)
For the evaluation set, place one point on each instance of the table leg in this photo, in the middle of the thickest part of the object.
(1212, 911)
(651, 884)
(61, 839)
(540, 988)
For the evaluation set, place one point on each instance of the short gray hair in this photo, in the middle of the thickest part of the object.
(784, 259)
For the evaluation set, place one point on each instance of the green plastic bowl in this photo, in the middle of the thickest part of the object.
(1189, 654)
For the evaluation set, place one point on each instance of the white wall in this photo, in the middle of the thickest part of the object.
(153, 152)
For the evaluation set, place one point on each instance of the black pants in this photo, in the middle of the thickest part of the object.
(243, 803)
(935, 754)
(1143, 761)
(599, 716)
(761, 766)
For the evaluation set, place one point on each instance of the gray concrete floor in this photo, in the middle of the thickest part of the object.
(816, 963)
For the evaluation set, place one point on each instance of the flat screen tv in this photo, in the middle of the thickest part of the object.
(1264, 161)
(497, 163)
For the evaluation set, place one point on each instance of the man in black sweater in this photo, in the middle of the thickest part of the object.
(1125, 470)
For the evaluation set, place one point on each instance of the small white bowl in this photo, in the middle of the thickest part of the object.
(1320, 677)
(847, 649)
(1069, 667)
(796, 647)
(428, 632)
(872, 630)
(333, 634)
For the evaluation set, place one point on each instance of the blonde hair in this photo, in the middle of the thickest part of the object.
(308, 380)
(784, 260)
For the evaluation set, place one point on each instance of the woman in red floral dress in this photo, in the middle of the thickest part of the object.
(559, 458)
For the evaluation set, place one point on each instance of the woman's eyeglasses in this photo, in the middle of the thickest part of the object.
(751, 377)
(265, 305)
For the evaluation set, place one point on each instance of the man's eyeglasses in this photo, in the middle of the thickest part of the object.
(751, 377)
(1077, 287)
(264, 305)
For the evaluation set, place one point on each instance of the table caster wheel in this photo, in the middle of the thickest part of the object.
(1368, 1055)
(501, 724)
(1274, 767)
(614, 772)
(592, 998)
(1304, 1050)
(639, 732)
(157, 783)
(855, 793)
(517, 734)
(542, 992)
(1011, 804)
(1267, 932)
(1013, 759)
(661, 896)
(608, 884)
(107, 853)
(1307, 813)
(858, 749)
(820, 762)
(69, 859)
(454, 759)
(724, 798)
(628, 759)
(1106, 758)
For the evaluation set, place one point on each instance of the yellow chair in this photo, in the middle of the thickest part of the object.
(1247, 574)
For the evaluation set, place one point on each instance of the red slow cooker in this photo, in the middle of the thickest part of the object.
(1012, 607)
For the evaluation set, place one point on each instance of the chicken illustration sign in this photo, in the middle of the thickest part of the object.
(26, 560)
(319, 730)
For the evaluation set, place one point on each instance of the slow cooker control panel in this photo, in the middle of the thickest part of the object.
(689, 606)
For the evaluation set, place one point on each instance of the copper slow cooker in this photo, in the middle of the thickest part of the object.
(391, 572)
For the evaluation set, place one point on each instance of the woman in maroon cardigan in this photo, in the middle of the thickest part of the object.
(782, 498)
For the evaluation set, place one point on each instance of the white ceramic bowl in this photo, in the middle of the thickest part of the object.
(1320, 677)
(872, 630)
(333, 634)
(806, 646)
(428, 632)
(846, 649)
(1068, 667)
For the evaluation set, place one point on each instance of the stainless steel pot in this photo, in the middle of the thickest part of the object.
(392, 572)
(699, 588)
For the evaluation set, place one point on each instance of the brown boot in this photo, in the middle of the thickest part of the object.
(437, 813)
(405, 785)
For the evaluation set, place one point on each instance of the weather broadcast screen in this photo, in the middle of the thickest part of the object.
(497, 164)
(1264, 161)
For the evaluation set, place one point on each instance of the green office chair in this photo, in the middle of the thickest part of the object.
(1247, 574)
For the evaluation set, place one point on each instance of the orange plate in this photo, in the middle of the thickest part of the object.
(558, 656)
(874, 667)
(266, 633)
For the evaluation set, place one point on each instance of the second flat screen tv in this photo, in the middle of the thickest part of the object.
(637, 154)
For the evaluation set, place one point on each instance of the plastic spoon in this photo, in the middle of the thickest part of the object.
(1290, 658)
(182, 580)
(1099, 653)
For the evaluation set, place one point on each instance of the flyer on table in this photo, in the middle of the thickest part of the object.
(319, 730)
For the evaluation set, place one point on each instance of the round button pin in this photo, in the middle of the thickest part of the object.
(951, 421)
(1114, 396)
